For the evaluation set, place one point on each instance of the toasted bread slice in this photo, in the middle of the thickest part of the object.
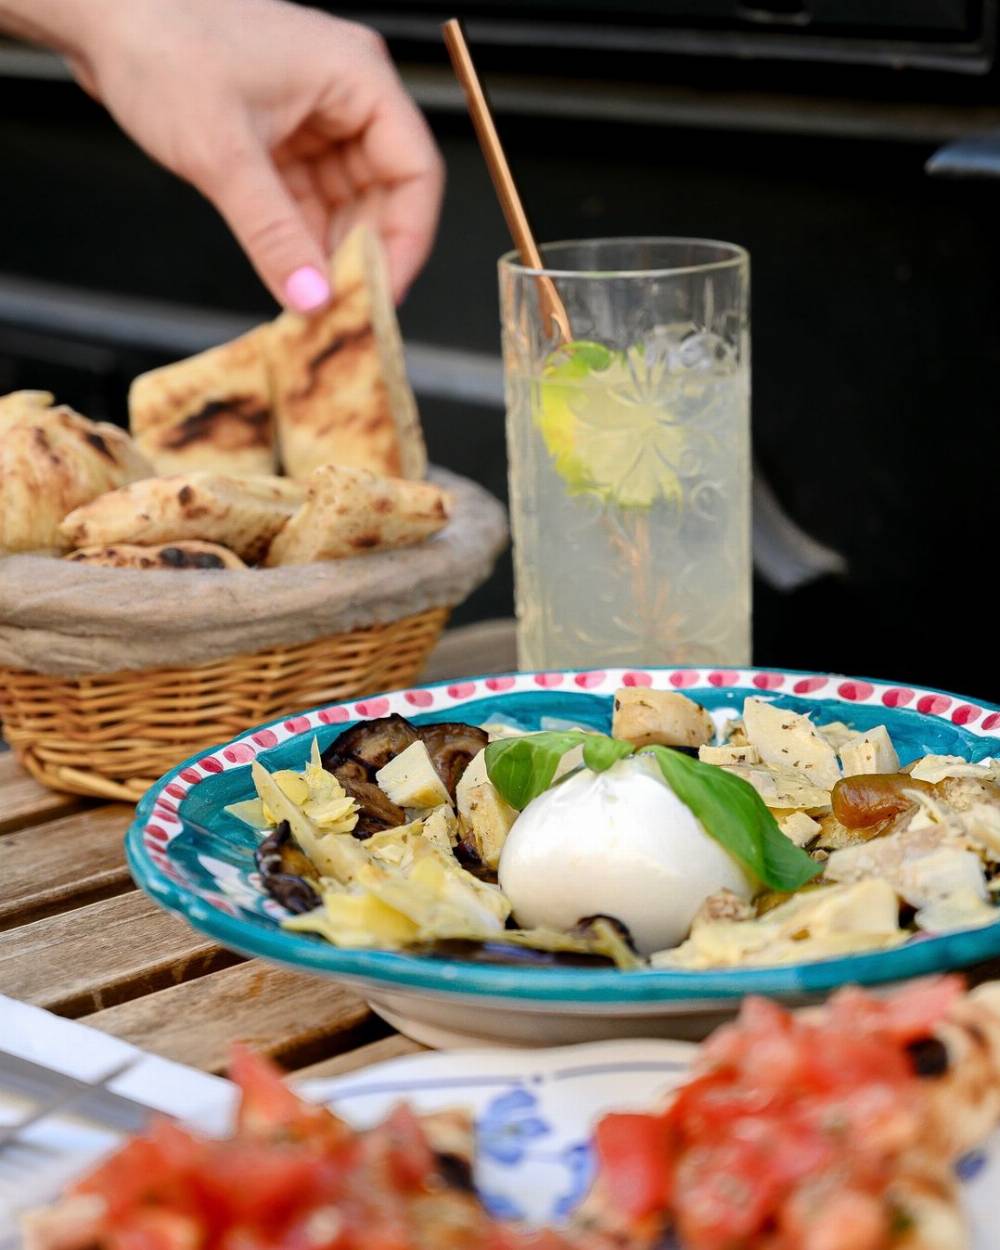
(338, 378)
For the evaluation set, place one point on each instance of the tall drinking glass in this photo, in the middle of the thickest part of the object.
(629, 453)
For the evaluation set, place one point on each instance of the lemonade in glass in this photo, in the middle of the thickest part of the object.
(629, 453)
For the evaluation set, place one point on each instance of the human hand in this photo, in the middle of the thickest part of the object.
(294, 124)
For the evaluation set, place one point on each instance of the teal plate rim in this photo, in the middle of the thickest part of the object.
(150, 867)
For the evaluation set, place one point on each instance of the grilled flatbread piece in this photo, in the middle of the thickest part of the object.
(189, 553)
(351, 512)
(212, 411)
(241, 513)
(19, 402)
(52, 460)
(338, 378)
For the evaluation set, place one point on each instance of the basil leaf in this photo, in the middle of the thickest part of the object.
(522, 768)
(600, 752)
(735, 815)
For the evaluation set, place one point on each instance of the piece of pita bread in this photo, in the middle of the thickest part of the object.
(212, 411)
(338, 378)
(241, 513)
(188, 553)
(52, 460)
(19, 402)
(351, 512)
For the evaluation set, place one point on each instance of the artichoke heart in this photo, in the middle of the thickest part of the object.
(335, 854)
(358, 919)
(390, 905)
(315, 791)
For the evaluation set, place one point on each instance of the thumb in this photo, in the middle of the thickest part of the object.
(266, 221)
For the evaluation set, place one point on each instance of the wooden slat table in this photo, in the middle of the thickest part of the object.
(78, 938)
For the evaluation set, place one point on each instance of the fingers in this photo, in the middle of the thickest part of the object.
(390, 146)
(270, 225)
(401, 150)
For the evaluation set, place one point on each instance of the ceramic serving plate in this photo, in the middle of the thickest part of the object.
(194, 858)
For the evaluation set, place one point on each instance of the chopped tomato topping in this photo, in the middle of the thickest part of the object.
(294, 1177)
(634, 1154)
(786, 1114)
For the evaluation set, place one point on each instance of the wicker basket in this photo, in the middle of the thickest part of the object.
(112, 735)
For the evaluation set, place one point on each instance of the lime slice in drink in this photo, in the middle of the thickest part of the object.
(604, 423)
(558, 401)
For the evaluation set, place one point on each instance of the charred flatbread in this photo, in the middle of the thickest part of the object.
(212, 411)
(351, 512)
(339, 384)
(188, 553)
(241, 513)
(52, 460)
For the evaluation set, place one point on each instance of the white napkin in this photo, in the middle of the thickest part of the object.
(35, 1167)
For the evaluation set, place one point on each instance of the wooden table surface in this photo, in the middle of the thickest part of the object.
(78, 938)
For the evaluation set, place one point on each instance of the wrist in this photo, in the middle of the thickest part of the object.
(77, 29)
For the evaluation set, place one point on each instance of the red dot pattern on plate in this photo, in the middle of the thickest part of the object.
(191, 776)
(683, 678)
(419, 698)
(588, 681)
(462, 690)
(723, 679)
(499, 683)
(548, 681)
(166, 806)
(372, 707)
(239, 753)
(334, 715)
(809, 685)
(155, 834)
(898, 696)
(992, 720)
(175, 791)
(933, 704)
(297, 725)
(965, 714)
(266, 738)
(855, 690)
(637, 679)
(210, 764)
(768, 681)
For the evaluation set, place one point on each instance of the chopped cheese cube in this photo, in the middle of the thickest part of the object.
(870, 752)
(799, 828)
(789, 740)
(663, 717)
(489, 820)
(411, 780)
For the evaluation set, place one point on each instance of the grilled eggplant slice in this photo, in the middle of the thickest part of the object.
(287, 873)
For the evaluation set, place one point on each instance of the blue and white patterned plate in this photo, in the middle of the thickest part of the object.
(195, 859)
(535, 1111)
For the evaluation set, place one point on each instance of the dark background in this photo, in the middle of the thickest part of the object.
(798, 130)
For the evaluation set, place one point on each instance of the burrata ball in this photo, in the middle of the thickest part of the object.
(618, 843)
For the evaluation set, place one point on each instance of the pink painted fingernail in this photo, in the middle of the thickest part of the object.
(306, 289)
